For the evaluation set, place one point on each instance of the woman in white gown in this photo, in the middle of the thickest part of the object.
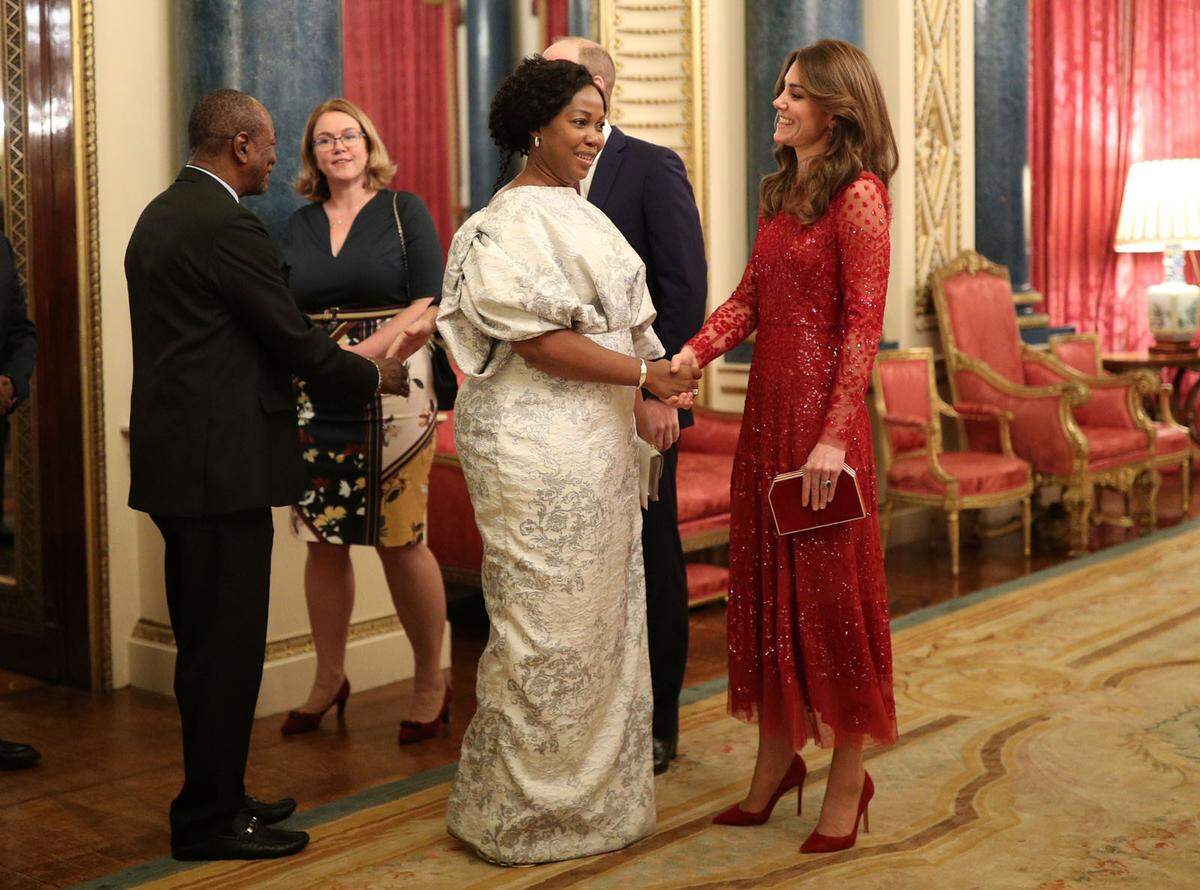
(545, 308)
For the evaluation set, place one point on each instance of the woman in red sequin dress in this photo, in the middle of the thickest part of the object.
(809, 644)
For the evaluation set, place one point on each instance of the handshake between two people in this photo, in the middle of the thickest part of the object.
(393, 370)
(407, 342)
(674, 382)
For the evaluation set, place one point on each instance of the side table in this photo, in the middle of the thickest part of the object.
(1183, 404)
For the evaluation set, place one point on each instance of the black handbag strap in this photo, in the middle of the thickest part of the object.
(403, 249)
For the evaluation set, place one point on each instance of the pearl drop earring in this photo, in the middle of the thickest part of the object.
(537, 141)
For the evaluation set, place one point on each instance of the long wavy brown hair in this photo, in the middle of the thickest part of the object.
(839, 78)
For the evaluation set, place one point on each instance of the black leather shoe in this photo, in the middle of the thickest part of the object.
(248, 839)
(270, 813)
(14, 755)
(664, 753)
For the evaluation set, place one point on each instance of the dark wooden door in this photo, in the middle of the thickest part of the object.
(45, 621)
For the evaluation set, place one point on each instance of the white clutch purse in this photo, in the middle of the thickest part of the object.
(649, 471)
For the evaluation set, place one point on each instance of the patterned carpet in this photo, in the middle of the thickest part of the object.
(1050, 739)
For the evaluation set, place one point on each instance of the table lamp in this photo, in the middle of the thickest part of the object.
(1160, 212)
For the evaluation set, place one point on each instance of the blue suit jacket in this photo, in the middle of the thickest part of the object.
(643, 188)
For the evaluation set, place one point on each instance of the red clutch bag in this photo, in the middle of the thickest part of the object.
(791, 517)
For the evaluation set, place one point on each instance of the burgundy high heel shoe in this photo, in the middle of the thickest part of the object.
(302, 721)
(414, 731)
(793, 778)
(823, 843)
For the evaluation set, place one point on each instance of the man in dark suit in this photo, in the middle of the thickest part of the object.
(18, 346)
(214, 445)
(643, 188)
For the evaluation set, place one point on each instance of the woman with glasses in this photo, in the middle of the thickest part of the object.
(365, 262)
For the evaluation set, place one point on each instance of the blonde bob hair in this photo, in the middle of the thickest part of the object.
(838, 77)
(311, 182)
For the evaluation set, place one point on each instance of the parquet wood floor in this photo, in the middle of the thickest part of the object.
(97, 802)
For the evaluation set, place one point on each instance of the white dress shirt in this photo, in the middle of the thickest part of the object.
(225, 184)
(585, 184)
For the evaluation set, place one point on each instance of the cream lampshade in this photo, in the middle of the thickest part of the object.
(1160, 212)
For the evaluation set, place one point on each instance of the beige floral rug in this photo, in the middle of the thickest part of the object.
(1050, 739)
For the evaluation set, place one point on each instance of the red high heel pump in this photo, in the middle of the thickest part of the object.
(414, 731)
(823, 843)
(302, 721)
(793, 778)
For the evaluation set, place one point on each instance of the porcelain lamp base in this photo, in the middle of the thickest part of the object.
(1174, 315)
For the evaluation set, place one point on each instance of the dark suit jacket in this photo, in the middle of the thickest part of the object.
(18, 338)
(217, 338)
(643, 188)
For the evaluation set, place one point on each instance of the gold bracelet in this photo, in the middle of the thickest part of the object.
(645, 371)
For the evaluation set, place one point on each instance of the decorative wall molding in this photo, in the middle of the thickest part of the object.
(92, 342)
(377, 654)
(937, 62)
(286, 647)
(661, 95)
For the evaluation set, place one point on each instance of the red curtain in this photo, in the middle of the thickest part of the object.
(398, 66)
(555, 19)
(1111, 82)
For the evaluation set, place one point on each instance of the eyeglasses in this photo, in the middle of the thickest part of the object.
(326, 143)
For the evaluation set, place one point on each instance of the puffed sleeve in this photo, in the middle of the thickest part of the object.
(645, 342)
(494, 294)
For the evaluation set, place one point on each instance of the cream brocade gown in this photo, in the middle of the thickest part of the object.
(556, 763)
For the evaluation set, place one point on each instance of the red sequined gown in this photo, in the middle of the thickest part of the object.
(809, 645)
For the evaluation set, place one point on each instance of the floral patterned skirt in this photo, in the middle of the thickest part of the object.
(368, 468)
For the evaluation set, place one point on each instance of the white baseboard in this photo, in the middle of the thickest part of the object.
(909, 524)
(913, 523)
(371, 661)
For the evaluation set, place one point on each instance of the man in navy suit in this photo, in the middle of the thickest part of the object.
(643, 188)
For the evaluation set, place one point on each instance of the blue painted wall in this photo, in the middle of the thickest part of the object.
(285, 53)
(489, 61)
(579, 19)
(1001, 140)
(774, 28)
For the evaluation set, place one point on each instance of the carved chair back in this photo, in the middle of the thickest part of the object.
(1080, 351)
(905, 386)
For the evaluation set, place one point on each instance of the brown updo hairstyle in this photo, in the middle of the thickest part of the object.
(839, 78)
(311, 183)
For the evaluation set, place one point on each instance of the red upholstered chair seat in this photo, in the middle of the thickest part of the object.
(1107, 444)
(977, 472)
(706, 583)
(702, 485)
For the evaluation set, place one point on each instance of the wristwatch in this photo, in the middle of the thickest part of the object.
(645, 371)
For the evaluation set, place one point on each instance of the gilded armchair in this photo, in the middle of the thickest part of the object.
(1070, 440)
(919, 471)
(1172, 443)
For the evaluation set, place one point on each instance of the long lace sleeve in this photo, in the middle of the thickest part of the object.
(733, 320)
(864, 250)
